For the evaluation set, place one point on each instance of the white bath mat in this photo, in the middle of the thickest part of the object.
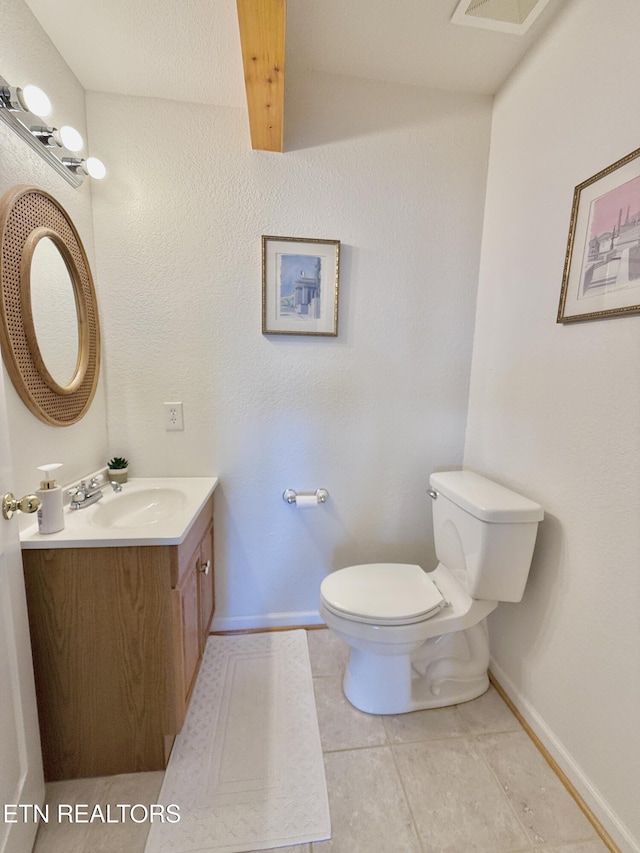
(246, 770)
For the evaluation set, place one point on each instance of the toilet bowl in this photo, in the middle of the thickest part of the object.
(385, 674)
(419, 640)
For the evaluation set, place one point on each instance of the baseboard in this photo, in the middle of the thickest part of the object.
(267, 630)
(265, 622)
(611, 830)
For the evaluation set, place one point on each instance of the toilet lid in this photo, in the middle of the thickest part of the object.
(389, 593)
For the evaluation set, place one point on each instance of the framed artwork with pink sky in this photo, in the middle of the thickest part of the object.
(602, 264)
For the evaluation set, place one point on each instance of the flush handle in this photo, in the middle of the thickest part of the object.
(29, 503)
(432, 494)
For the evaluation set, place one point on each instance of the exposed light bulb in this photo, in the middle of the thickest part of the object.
(34, 100)
(70, 138)
(95, 168)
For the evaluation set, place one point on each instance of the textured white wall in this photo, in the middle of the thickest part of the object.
(398, 176)
(29, 57)
(554, 410)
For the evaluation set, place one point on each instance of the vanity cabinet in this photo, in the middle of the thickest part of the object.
(117, 635)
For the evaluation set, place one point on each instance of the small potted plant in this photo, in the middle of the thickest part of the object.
(118, 469)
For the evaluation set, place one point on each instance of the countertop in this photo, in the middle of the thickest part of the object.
(168, 506)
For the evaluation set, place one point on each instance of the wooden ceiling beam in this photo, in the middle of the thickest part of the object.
(262, 36)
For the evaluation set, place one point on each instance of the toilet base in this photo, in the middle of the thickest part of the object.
(445, 670)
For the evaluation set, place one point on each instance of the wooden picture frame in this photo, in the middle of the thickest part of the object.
(300, 282)
(601, 276)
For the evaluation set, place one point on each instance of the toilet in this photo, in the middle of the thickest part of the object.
(419, 639)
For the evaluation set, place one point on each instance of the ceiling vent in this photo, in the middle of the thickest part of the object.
(506, 16)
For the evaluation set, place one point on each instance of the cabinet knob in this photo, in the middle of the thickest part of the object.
(206, 568)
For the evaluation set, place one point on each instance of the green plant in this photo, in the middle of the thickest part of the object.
(118, 462)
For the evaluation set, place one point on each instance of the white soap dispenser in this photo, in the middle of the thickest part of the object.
(50, 512)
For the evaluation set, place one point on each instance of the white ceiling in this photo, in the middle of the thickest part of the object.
(190, 49)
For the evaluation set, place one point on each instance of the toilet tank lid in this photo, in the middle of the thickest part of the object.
(485, 499)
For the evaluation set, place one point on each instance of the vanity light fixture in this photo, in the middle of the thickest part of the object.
(21, 108)
(31, 99)
(67, 137)
(91, 166)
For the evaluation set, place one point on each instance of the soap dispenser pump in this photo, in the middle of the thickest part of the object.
(50, 512)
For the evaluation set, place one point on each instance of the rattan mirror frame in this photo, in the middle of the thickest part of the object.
(27, 215)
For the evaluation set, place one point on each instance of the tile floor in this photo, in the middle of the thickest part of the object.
(464, 779)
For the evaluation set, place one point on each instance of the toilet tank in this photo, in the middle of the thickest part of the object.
(484, 534)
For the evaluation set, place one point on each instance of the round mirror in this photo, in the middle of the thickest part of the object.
(49, 327)
(54, 312)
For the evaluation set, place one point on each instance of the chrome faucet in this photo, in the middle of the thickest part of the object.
(85, 494)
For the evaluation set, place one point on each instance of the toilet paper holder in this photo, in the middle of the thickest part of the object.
(290, 496)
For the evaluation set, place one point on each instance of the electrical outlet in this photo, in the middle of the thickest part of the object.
(173, 416)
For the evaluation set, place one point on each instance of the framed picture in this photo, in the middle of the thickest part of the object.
(602, 265)
(300, 286)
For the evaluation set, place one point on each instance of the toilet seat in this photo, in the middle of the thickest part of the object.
(382, 594)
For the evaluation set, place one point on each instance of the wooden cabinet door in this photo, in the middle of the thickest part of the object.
(190, 624)
(206, 586)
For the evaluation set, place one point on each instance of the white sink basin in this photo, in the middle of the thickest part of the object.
(148, 511)
(138, 509)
